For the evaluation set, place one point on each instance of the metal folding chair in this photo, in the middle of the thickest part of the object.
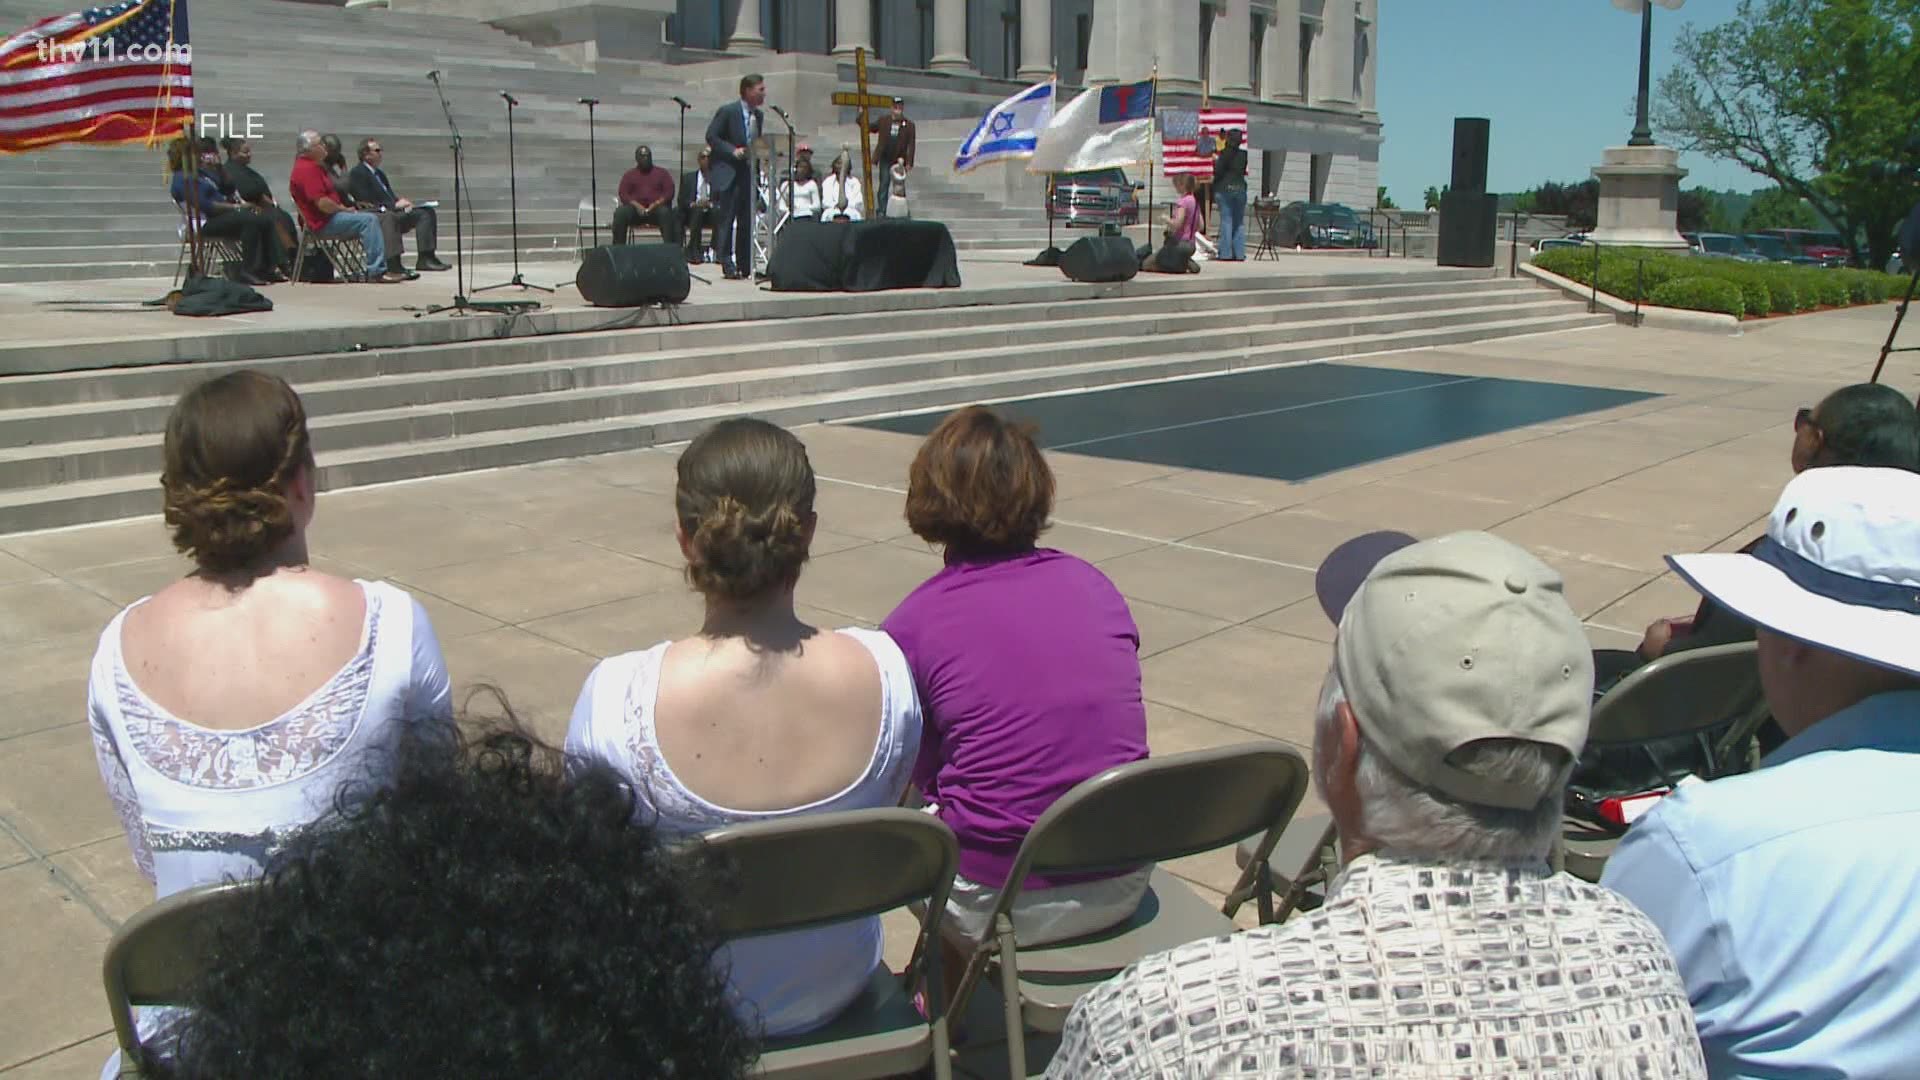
(346, 253)
(816, 869)
(1295, 873)
(1130, 816)
(223, 252)
(157, 954)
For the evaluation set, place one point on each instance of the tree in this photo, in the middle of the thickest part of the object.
(1382, 200)
(1696, 206)
(1578, 203)
(1778, 208)
(1817, 95)
(1433, 196)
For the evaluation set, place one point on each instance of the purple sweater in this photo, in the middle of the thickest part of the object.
(1028, 668)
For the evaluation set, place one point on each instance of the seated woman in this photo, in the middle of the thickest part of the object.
(250, 188)
(232, 707)
(490, 826)
(802, 197)
(1028, 665)
(219, 215)
(758, 716)
(1176, 253)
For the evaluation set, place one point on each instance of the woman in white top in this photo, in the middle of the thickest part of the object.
(841, 197)
(803, 195)
(759, 715)
(231, 707)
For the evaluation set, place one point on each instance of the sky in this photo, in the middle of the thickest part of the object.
(1555, 77)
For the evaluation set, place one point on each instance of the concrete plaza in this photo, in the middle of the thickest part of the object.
(532, 573)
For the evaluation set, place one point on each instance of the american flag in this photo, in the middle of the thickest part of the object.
(113, 74)
(1180, 153)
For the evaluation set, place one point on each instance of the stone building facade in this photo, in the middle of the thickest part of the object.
(1305, 69)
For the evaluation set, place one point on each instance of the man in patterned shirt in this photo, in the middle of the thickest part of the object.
(1454, 710)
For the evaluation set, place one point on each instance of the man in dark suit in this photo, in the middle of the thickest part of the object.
(367, 182)
(696, 204)
(729, 134)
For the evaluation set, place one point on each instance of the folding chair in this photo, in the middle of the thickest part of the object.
(812, 870)
(1295, 873)
(346, 253)
(223, 252)
(1682, 694)
(159, 952)
(1130, 816)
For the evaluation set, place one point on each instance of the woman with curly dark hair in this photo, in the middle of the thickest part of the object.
(760, 715)
(491, 912)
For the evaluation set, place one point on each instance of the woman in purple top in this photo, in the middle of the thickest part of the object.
(1028, 667)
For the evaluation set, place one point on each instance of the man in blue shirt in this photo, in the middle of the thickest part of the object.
(1788, 894)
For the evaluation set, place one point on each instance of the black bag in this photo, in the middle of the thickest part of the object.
(317, 269)
(205, 296)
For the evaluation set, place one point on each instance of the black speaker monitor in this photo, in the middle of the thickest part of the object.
(1467, 223)
(633, 275)
(1470, 137)
(1100, 258)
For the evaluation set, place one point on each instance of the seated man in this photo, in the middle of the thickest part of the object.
(368, 185)
(1787, 892)
(458, 924)
(696, 204)
(1451, 716)
(322, 213)
(646, 198)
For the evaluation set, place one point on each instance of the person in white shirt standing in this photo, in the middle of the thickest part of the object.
(1454, 710)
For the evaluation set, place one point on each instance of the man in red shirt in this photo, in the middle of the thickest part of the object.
(646, 198)
(322, 213)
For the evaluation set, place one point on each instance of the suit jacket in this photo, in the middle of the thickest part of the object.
(890, 147)
(369, 185)
(726, 132)
(690, 188)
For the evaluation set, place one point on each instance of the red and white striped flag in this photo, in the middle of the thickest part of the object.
(117, 73)
(1217, 122)
(1180, 154)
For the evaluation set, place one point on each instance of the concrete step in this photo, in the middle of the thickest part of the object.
(786, 403)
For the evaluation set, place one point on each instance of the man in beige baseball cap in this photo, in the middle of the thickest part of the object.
(1450, 719)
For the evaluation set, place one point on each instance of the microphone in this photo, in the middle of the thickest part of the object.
(589, 101)
(682, 102)
(781, 111)
(510, 98)
(434, 75)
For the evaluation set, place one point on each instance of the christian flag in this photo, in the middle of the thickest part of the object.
(114, 74)
(1100, 129)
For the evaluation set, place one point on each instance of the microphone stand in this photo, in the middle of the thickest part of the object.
(460, 302)
(513, 198)
(773, 235)
(593, 168)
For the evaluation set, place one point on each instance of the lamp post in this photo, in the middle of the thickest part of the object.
(1642, 131)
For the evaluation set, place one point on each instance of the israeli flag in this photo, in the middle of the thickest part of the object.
(1009, 130)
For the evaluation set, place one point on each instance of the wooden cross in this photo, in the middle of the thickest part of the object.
(863, 101)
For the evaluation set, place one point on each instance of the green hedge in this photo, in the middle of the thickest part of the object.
(1701, 294)
(1648, 275)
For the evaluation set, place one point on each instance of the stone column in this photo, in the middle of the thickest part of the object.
(1370, 11)
(1036, 39)
(1336, 48)
(1233, 51)
(1173, 38)
(950, 36)
(746, 29)
(851, 29)
(1280, 56)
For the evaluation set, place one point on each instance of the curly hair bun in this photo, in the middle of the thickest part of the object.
(233, 445)
(744, 499)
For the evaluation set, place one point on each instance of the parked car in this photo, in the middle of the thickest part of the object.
(1100, 197)
(1558, 242)
(1823, 246)
(1322, 225)
(1773, 249)
(1723, 246)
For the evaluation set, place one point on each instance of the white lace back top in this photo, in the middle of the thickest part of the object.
(201, 804)
(783, 983)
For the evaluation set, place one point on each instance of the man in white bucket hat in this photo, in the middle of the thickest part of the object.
(1789, 894)
(1454, 709)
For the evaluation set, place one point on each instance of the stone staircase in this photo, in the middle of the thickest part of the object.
(77, 212)
(84, 446)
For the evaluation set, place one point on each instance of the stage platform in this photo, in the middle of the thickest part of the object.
(89, 375)
(81, 325)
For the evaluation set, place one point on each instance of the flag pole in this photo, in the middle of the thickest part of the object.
(1053, 97)
(190, 164)
(1152, 131)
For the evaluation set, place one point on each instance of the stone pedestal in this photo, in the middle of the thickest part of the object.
(1639, 197)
